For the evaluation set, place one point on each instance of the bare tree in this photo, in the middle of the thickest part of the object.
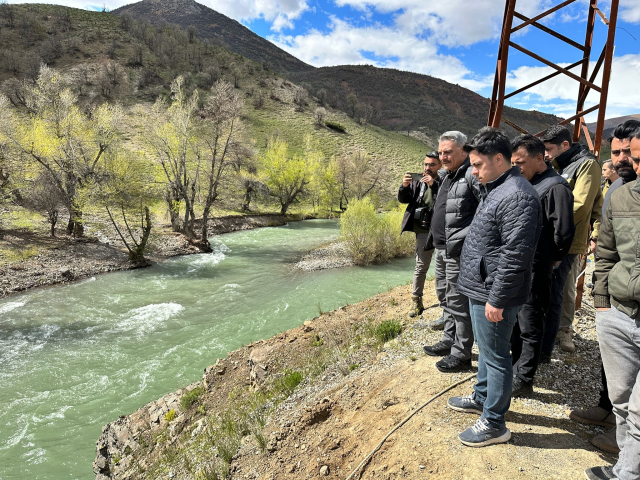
(301, 99)
(320, 113)
(45, 197)
(221, 145)
(321, 95)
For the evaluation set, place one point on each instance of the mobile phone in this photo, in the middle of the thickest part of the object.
(416, 177)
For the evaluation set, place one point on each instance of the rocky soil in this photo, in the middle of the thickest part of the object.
(334, 255)
(65, 259)
(355, 390)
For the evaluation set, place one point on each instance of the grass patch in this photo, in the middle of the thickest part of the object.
(387, 330)
(191, 397)
(288, 383)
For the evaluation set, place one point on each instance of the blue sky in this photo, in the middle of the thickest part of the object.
(456, 40)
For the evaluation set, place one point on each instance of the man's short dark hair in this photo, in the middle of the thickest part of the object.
(607, 161)
(626, 130)
(490, 142)
(636, 134)
(557, 135)
(532, 145)
(433, 154)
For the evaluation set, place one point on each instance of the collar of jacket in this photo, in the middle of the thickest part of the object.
(540, 175)
(636, 187)
(569, 156)
(490, 186)
(460, 171)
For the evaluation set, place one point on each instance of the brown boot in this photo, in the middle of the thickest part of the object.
(606, 441)
(594, 416)
(417, 308)
(565, 341)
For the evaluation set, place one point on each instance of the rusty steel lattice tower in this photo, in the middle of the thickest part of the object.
(585, 79)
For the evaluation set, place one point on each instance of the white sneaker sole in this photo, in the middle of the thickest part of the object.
(465, 410)
(504, 438)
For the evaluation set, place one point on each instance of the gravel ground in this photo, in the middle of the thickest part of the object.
(331, 256)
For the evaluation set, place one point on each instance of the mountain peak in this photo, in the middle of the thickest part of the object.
(216, 27)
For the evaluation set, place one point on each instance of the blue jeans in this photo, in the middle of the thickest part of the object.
(495, 372)
(552, 320)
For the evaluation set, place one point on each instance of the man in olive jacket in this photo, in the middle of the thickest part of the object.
(616, 296)
(581, 170)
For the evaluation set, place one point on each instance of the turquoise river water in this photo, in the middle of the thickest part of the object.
(75, 357)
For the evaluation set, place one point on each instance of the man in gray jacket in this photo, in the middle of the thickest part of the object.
(495, 274)
(453, 212)
(616, 296)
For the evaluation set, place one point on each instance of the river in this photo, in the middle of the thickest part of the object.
(75, 357)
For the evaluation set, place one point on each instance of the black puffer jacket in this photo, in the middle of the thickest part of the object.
(498, 252)
(463, 196)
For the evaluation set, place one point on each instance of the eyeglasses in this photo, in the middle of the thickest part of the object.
(431, 165)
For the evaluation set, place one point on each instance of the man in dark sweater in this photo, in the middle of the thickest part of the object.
(556, 238)
(495, 273)
(420, 196)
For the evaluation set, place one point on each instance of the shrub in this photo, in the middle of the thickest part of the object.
(171, 415)
(336, 126)
(372, 238)
(289, 382)
(388, 330)
(190, 398)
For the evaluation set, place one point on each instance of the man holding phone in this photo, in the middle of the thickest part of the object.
(419, 190)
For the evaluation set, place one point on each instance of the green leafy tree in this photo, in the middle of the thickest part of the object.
(61, 139)
(126, 191)
(286, 176)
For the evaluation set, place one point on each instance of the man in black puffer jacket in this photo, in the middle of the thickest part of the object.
(495, 273)
(555, 240)
(454, 209)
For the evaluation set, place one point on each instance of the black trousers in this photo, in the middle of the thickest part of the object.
(604, 393)
(526, 339)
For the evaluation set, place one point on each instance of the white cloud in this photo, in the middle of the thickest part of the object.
(392, 47)
(630, 11)
(448, 22)
(623, 96)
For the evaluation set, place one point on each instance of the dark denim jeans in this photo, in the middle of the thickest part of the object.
(552, 321)
(495, 373)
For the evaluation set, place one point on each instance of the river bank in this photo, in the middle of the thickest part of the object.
(65, 259)
(315, 400)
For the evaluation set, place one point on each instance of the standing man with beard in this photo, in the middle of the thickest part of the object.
(602, 413)
(420, 196)
(581, 170)
(621, 157)
(616, 297)
(555, 240)
(454, 210)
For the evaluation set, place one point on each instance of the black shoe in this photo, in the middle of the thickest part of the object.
(440, 349)
(521, 389)
(451, 364)
(437, 324)
(545, 358)
(599, 473)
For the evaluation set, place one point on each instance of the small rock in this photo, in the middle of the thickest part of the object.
(324, 470)
(421, 467)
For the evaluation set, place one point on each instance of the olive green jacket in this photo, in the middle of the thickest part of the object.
(583, 173)
(617, 273)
